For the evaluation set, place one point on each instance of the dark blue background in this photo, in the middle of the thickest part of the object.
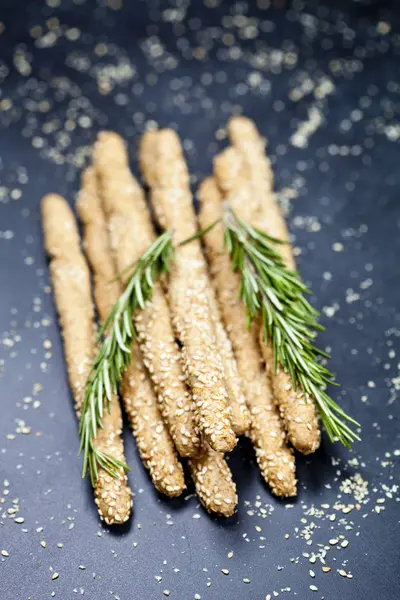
(354, 199)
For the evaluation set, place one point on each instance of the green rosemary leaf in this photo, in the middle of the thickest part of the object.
(200, 233)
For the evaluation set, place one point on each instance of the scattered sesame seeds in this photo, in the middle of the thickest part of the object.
(110, 67)
(326, 569)
(333, 541)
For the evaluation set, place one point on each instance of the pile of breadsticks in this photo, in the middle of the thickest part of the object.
(199, 377)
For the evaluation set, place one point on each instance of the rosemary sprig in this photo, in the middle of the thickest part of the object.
(271, 291)
(117, 334)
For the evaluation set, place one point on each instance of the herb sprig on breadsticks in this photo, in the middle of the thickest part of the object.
(276, 294)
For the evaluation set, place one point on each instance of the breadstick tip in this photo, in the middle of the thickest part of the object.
(110, 146)
(59, 225)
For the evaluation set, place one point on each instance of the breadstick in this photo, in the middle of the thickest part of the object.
(275, 459)
(257, 171)
(71, 286)
(213, 482)
(131, 232)
(164, 168)
(231, 177)
(240, 415)
(298, 412)
(153, 441)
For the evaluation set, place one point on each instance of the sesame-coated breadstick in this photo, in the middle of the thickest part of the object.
(164, 169)
(240, 415)
(213, 482)
(153, 441)
(298, 412)
(131, 232)
(185, 227)
(71, 286)
(275, 459)
(257, 170)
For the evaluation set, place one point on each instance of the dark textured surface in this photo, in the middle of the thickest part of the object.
(346, 181)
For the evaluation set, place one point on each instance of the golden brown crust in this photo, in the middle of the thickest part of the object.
(258, 175)
(240, 415)
(131, 232)
(113, 496)
(275, 459)
(153, 441)
(231, 177)
(213, 482)
(69, 272)
(164, 168)
(71, 286)
(298, 413)
(106, 288)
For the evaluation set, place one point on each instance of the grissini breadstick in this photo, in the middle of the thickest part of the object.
(153, 441)
(240, 415)
(164, 169)
(213, 481)
(131, 232)
(275, 459)
(71, 286)
(298, 412)
(257, 170)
